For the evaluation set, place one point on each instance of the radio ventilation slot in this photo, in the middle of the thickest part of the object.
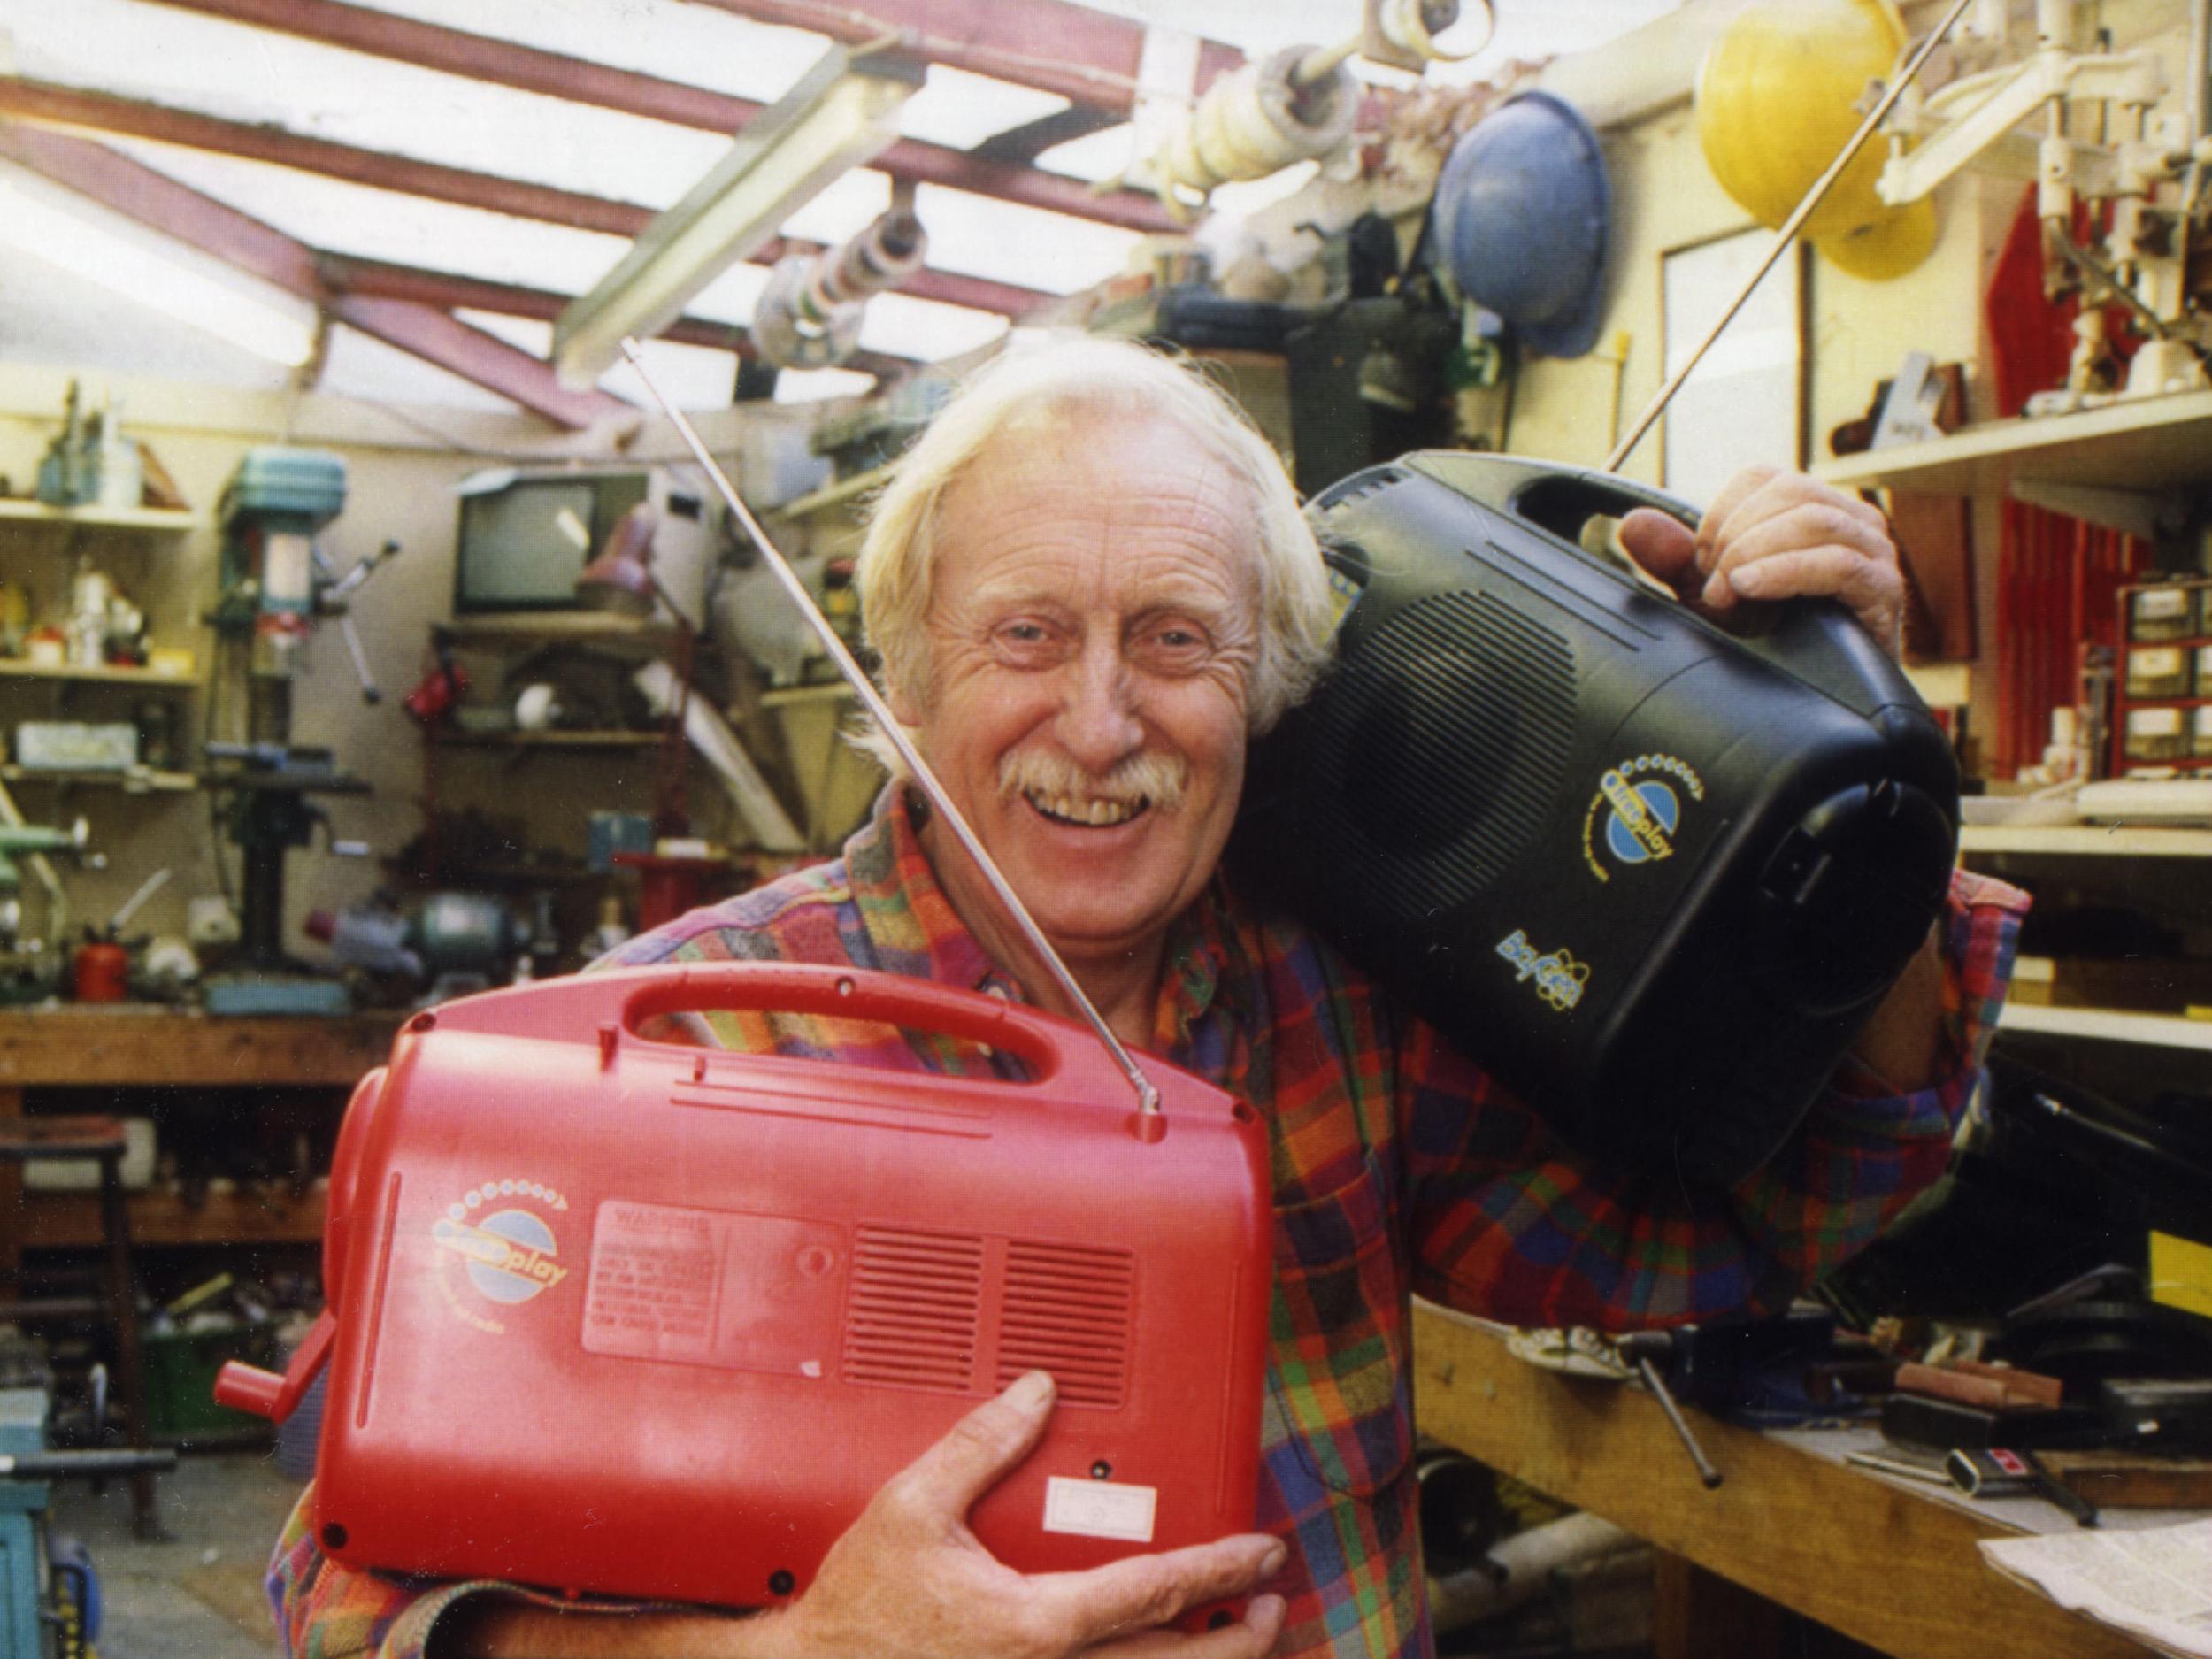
(911, 1316)
(1358, 488)
(1068, 1310)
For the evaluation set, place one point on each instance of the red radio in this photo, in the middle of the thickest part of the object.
(612, 1313)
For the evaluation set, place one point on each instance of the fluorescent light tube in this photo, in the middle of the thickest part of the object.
(141, 264)
(843, 114)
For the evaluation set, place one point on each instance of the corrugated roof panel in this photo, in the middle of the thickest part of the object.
(701, 46)
(909, 328)
(959, 109)
(357, 366)
(979, 236)
(259, 77)
(342, 217)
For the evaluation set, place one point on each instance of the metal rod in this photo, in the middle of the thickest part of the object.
(1706, 1472)
(1148, 1096)
(1786, 235)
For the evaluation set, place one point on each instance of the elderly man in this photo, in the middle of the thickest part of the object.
(1091, 586)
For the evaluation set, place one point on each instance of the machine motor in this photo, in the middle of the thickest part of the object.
(613, 1313)
(1653, 874)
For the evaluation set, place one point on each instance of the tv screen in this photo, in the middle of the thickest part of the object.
(523, 546)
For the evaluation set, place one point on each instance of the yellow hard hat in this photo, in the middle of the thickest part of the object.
(1781, 92)
(1885, 247)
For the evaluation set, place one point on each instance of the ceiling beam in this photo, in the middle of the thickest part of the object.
(505, 63)
(448, 291)
(1025, 143)
(440, 337)
(139, 192)
(72, 106)
(1089, 57)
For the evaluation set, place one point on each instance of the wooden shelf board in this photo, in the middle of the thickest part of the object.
(16, 668)
(551, 739)
(2106, 1025)
(132, 1045)
(99, 518)
(72, 1220)
(138, 780)
(559, 628)
(2092, 841)
(2148, 443)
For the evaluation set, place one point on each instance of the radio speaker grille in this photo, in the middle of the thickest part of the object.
(1067, 1310)
(914, 1309)
(1451, 727)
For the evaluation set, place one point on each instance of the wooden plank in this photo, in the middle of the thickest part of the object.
(159, 1217)
(72, 1047)
(99, 518)
(2108, 1024)
(1879, 1564)
(2138, 444)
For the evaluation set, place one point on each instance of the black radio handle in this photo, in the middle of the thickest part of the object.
(1560, 499)
(1816, 640)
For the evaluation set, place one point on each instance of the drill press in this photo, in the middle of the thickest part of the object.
(276, 584)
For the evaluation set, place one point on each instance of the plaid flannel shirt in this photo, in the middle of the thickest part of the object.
(1399, 1168)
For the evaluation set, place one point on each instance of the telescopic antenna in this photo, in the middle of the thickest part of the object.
(1148, 1096)
(1786, 235)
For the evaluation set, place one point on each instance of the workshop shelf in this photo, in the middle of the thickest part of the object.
(2108, 1024)
(99, 518)
(16, 669)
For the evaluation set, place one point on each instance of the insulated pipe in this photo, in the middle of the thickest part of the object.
(808, 314)
(1256, 120)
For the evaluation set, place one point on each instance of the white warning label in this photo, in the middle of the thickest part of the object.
(1100, 1508)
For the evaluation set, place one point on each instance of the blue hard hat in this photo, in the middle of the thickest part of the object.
(1518, 224)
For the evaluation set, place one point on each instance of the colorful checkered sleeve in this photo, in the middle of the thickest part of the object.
(324, 1610)
(1508, 1223)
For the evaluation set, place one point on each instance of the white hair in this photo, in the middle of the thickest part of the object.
(1082, 375)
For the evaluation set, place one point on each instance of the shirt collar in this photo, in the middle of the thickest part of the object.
(911, 923)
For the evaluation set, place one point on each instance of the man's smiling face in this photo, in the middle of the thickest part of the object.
(1092, 625)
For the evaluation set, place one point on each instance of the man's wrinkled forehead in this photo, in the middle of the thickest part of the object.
(1120, 472)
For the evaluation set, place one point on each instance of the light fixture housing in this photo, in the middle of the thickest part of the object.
(140, 264)
(841, 114)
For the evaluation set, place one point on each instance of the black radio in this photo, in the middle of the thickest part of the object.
(1653, 874)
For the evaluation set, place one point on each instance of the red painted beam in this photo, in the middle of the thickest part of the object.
(103, 112)
(437, 337)
(141, 193)
(44, 102)
(447, 291)
(1087, 57)
(152, 198)
(482, 58)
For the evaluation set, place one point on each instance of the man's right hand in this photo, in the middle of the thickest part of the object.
(908, 1577)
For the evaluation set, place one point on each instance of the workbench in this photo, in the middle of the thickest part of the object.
(1872, 1558)
(127, 1050)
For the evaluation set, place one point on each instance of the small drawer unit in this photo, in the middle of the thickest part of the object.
(2162, 713)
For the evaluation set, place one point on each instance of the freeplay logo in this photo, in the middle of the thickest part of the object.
(507, 1254)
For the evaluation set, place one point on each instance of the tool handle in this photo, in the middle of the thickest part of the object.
(266, 1394)
(1056, 1051)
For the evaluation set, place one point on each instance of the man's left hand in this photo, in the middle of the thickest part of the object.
(1769, 536)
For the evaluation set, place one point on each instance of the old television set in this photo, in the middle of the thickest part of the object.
(525, 534)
